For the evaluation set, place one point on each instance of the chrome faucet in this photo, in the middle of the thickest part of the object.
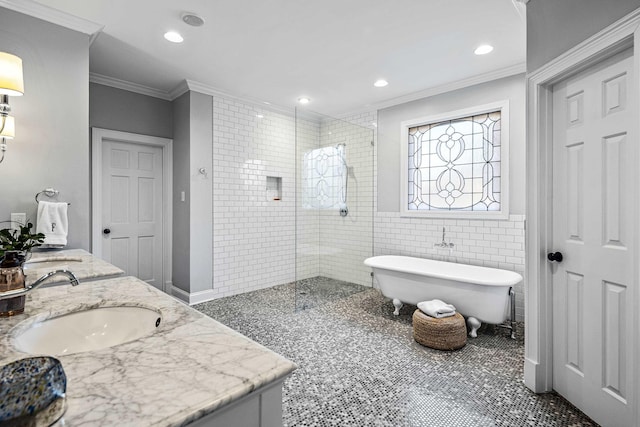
(444, 243)
(20, 292)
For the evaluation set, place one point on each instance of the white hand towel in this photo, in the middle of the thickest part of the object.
(53, 223)
(437, 308)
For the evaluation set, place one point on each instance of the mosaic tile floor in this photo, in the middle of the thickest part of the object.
(359, 366)
(321, 290)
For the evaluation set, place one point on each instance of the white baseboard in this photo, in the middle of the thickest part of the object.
(534, 377)
(180, 294)
(195, 297)
(168, 286)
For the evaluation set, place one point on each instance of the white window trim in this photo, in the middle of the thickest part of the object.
(503, 213)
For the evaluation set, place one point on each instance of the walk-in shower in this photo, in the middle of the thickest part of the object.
(334, 207)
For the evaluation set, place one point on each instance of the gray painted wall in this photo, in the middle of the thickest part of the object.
(555, 26)
(389, 119)
(117, 109)
(192, 227)
(201, 140)
(181, 210)
(51, 148)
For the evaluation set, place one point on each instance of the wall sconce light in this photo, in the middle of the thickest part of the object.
(7, 131)
(11, 84)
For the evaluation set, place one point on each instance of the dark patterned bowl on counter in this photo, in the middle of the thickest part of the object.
(32, 392)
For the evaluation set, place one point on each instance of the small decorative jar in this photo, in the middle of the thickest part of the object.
(11, 278)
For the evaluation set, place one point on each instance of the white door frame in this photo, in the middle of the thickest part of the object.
(98, 135)
(538, 375)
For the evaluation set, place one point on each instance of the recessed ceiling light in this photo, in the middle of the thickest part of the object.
(483, 49)
(260, 116)
(173, 37)
(304, 100)
(381, 83)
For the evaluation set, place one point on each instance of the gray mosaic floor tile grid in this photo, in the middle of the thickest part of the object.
(359, 366)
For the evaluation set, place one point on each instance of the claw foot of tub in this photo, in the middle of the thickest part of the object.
(474, 324)
(398, 305)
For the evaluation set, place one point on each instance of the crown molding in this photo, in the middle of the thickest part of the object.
(179, 90)
(54, 16)
(192, 85)
(129, 86)
(513, 70)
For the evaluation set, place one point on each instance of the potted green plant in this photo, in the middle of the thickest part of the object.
(21, 241)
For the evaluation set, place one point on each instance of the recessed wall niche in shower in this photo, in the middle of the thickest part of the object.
(274, 188)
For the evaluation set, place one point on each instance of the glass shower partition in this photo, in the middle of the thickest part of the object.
(334, 208)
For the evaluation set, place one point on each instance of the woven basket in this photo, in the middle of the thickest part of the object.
(447, 333)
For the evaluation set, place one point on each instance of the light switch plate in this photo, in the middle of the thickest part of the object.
(17, 220)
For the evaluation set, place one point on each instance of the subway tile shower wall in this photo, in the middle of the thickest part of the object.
(254, 235)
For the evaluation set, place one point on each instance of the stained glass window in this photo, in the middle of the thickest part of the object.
(454, 165)
(324, 178)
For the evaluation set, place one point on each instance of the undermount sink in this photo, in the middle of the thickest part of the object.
(87, 330)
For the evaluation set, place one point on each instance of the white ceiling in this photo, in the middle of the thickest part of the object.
(331, 50)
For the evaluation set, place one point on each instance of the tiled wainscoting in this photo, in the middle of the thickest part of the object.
(498, 244)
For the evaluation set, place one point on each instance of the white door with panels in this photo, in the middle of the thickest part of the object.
(593, 255)
(132, 209)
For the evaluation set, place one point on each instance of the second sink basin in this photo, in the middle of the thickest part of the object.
(87, 330)
(51, 263)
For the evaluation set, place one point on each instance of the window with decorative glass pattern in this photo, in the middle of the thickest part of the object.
(455, 164)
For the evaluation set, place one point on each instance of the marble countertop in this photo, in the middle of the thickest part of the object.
(189, 367)
(83, 264)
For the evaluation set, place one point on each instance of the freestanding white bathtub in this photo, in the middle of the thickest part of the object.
(481, 294)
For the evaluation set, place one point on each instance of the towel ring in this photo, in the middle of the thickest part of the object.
(49, 192)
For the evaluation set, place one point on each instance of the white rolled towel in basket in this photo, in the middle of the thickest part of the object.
(437, 308)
